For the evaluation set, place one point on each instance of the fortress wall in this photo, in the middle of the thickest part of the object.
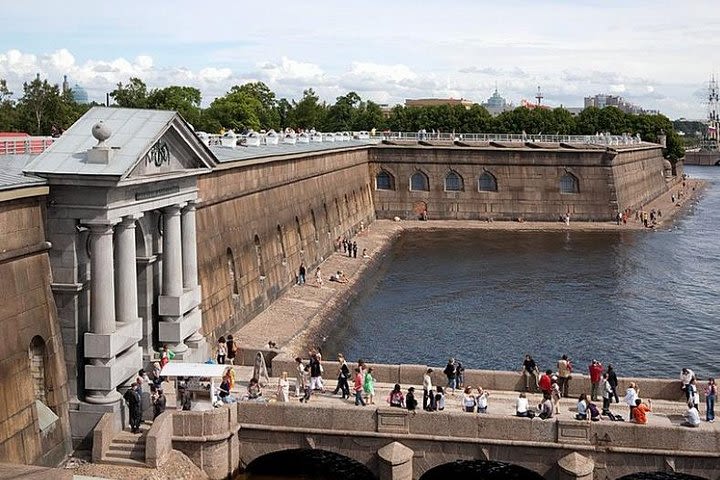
(27, 310)
(312, 198)
(527, 179)
(638, 177)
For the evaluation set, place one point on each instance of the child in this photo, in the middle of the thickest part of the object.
(369, 386)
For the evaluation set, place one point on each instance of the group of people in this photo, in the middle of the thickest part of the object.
(136, 402)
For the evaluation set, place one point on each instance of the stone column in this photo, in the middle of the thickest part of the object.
(172, 253)
(127, 299)
(102, 281)
(395, 462)
(189, 247)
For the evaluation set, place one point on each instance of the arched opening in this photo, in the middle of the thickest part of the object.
(327, 218)
(569, 184)
(281, 241)
(232, 277)
(314, 223)
(307, 463)
(454, 182)
(419, 182)
(337, 209)
(258, 254)
(37, 368)
(384, 181)
(487, 182)
(480, 470)
(299, 234)
(660, 476)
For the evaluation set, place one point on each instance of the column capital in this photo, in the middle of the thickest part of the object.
(190, 206)
(100, 226)
(129, 220)
(173, 209)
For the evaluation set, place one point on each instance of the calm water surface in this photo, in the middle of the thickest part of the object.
(645, 301)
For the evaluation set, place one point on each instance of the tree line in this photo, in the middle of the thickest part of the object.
(254, 106)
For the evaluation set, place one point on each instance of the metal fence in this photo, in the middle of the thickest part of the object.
(24, 145)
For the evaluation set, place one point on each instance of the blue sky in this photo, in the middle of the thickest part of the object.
(657, 54)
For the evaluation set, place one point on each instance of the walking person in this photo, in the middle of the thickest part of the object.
(369, 386)
(299, 371)
(301, 274)
(318, 278)
(306, 385)
(283, 391)
(710, 394)
(343, 375)
(231, 349)
(316, 371)
(358, 388)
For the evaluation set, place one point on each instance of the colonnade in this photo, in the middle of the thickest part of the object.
(111, 344)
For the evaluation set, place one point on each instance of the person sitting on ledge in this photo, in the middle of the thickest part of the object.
(253, 389)
(692, 416)
(640, 411)
(396, 397)
(410, 402)
(224, 391)
(582, 408)
(547, 408)
(521, 407)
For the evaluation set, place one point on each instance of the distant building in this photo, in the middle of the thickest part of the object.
(79, 94)
(603, 100)
(497, 104)
(434, 102)
(534, 105)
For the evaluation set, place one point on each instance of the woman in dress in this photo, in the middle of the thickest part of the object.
(369, 386)
(283, 394)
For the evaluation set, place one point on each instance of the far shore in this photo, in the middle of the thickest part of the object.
(298, 318)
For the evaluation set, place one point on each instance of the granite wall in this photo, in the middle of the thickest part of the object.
(527, 178)
(31, 352)
(258, 220)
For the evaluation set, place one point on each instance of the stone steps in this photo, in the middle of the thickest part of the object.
(127, 449)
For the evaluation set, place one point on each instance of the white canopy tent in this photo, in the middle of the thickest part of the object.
(211, 371)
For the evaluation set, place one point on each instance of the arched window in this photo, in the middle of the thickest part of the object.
(231, 272)
(384, 181)
(487, 182)
(453, 182)
(569, 184)
(281, 241)
(37, 368)
(419, 181)
(258, 254)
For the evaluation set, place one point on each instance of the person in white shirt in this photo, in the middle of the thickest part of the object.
(692, 416)
(582, 408)
(428, 394)
(631, 394)
(482, 400)
(521, 406)
(686, 375)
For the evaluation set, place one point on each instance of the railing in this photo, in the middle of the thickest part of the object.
(231, 139)
(24, 145)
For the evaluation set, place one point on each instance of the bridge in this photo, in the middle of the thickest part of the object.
(702, 158)
(391, 443)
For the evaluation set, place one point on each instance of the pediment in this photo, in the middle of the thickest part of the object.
(174, 152)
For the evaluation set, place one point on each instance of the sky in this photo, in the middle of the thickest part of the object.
(657, 54)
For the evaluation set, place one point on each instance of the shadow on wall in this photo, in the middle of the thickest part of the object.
(307, 463)
(480, 470)
(660, 476)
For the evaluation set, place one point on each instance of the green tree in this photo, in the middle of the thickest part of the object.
(266, 108)
(368, 116)
(237, 110)
(42, 107)
(7, 108)
(185, 100)
(341, 115)
(308, 113)
(132, 95)
(613, 120)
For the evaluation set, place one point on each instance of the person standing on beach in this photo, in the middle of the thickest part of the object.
(301, 274)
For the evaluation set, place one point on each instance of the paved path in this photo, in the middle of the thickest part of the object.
(295, 319)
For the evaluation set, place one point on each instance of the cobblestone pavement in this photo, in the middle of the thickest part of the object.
(178, 466)
(297, 317)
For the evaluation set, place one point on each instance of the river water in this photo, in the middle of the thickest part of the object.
(645, 301)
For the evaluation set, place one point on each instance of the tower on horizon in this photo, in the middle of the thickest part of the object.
(539, 96)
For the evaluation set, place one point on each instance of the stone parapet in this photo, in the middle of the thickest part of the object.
(158, 442)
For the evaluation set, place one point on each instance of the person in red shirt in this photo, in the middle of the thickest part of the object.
(596, 371)
(358, 387)
(545, 382)
(640, 411)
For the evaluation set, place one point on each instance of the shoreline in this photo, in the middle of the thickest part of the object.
(297, 319)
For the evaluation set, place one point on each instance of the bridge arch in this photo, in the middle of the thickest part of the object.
(309, 463)
(480, 470)
(660, 476)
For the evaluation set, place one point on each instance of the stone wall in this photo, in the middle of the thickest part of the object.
(258, 220)
(528, 181)
(31, 334)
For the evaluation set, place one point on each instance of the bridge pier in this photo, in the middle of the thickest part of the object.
(395, 462)
(574, 466)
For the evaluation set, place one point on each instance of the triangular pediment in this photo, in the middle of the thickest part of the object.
(176, 151)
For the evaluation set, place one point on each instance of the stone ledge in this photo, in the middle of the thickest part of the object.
(177, 331)
(177, 306)
(115, 372)
(109, 345)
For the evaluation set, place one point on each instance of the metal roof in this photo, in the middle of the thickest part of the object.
(11, 172)
(133, 133)
(229, 154)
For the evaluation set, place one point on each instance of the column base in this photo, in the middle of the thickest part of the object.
(97, 397)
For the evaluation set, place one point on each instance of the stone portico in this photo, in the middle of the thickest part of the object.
(122, 226)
